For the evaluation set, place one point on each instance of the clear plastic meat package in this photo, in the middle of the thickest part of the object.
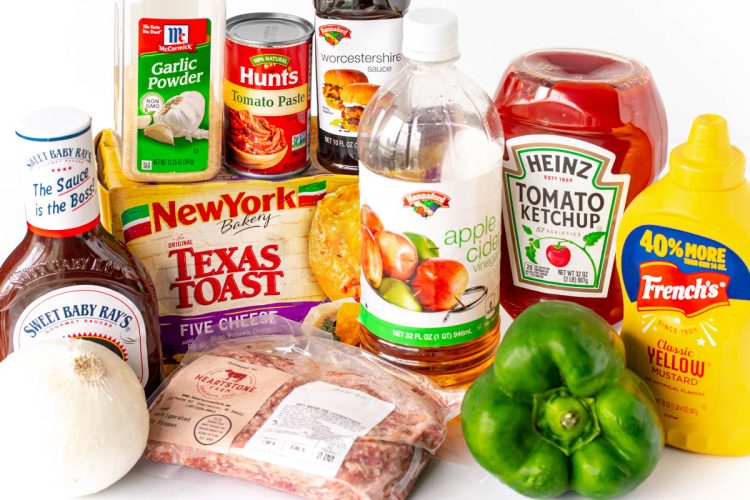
(285, 406)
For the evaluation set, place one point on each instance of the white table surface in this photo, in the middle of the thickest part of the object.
(679, 475)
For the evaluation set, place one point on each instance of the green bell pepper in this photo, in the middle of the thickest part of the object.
(559, 411)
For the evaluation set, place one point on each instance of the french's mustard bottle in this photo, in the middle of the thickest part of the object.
(683, 250)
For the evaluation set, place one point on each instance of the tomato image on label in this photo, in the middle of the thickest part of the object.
(558, 255)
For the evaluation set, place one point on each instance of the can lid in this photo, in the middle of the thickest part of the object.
(53, 124)
(431, 35)
(268, 29)
(707, 161)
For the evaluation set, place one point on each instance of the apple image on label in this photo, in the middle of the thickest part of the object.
(426, 248)
(439, 283)
(558, 255)
(399, 294)
(370, 220)
(398, 253)
(372, 263)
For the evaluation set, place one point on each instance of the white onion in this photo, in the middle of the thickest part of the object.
(74, 419)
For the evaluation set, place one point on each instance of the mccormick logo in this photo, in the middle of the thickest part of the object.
(176, 34)
(664, 286)
(177, 39)
(334, 33)
(224, 384)
(426, 203)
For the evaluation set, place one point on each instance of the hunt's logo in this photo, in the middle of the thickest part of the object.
(426, 203)
(334, 33)
(225, 383)
(227, 210)
(665, 287)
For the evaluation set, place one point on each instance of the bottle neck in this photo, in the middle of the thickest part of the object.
(60, 186)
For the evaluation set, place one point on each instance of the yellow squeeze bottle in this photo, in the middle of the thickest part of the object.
(683, 250)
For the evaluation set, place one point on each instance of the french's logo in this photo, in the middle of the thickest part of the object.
(664, 287)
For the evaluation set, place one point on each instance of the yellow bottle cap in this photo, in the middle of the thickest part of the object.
(707, 161)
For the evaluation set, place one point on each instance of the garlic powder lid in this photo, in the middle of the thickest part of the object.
(53, 124)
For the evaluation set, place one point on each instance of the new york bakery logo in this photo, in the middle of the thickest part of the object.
(664, 287)
(225, 383)
(177, 39)
(426, 203)
(151, 218)
(333, 34)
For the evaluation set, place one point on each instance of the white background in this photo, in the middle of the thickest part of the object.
(59, 52)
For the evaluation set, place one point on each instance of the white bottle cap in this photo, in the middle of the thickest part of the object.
(431, 35)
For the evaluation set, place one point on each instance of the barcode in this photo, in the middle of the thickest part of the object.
(145, 164)
(326, 457)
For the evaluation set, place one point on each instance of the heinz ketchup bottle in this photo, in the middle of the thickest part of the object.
(585, 133)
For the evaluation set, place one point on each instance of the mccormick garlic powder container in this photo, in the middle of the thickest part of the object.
(267, 95)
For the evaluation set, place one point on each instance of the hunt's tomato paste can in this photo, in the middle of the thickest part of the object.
(267, 95)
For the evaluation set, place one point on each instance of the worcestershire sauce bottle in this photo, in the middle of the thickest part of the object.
(357, 49)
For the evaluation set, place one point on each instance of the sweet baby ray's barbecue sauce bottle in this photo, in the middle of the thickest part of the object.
(683, 253)
(68, 277)
(585, 133)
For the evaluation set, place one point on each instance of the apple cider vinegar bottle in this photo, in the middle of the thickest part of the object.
(430, 149)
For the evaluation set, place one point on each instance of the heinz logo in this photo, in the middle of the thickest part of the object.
(176, 34)
(664, 286)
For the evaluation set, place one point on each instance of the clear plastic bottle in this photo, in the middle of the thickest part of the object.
(430, 146)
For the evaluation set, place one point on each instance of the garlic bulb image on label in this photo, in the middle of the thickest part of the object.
(183, 114)
(74, 417)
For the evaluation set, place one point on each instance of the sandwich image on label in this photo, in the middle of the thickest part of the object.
(334, 80)
(354, 98)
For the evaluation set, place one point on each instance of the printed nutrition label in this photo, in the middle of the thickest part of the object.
(315, 426)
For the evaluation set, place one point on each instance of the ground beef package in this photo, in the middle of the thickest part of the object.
(300, 413)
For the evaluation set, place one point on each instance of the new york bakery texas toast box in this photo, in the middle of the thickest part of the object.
(218, 251)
